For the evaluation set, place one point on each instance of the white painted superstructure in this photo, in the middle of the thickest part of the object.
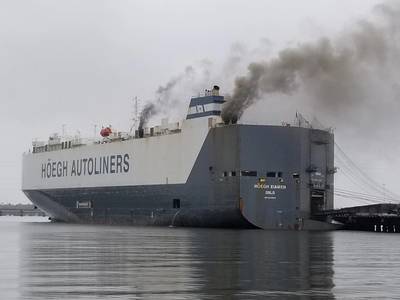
(152, 160)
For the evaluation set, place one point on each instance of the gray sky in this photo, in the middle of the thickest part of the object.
(80, 63)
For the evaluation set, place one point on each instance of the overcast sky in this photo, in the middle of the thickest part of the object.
(80, 63)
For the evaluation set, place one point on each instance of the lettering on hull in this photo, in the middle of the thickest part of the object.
(112, 164)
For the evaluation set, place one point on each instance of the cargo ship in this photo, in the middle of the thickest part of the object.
(200, 172)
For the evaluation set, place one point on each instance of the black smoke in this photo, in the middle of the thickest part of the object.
(333, 72)
(148, 111)
(163, 96)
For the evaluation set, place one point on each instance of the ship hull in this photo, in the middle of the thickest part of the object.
(223, 180)
(60, 206)
(123, 206)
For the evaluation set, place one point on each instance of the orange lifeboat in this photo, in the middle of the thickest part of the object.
(105, 132)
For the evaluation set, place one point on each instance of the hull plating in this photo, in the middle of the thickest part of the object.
(123, 206)
(229, 183)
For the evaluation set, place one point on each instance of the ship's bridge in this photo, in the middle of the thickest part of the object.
(210, 104)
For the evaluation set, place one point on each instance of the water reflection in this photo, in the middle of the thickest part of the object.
(84, 262)
(256, 264)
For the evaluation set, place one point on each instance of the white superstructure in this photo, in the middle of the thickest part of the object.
(157, 158)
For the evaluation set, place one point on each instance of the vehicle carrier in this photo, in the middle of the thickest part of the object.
(198, 172)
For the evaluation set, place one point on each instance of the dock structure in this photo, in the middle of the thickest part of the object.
(377, 217)
(20, 210)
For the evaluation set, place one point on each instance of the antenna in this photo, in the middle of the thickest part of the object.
(63, 130)
(94, 131)
(135, 115)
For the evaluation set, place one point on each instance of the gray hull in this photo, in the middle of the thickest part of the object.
(115, 206)
(244, 176)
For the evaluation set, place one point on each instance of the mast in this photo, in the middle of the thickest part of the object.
(135, 115)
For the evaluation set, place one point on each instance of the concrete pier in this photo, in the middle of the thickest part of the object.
(376, 217)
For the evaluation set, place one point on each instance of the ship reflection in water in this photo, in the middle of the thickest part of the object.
(90, 262)
(74, 261)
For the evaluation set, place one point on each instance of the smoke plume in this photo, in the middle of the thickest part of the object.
(147, 112)
(334, 73)
(163, 96)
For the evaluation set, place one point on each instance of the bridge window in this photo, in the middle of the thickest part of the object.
(274, 174)
(249, 173)
(192, 110)
(233, 173)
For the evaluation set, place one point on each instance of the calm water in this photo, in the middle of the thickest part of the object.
(58, 261)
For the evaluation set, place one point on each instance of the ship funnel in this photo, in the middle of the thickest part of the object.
(141, 133)
(215, 90)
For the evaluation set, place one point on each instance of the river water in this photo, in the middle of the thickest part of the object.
(61, 261)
